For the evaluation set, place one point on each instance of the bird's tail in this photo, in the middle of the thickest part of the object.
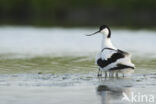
(128, 62)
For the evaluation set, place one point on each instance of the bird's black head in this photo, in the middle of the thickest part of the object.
(103, 29)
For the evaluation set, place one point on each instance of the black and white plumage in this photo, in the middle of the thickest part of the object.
(111, 59)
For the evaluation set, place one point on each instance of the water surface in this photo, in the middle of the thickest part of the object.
(56, 65)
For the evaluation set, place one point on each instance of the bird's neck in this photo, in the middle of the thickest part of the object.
(106, 43)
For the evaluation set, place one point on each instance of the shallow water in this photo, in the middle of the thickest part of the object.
(56, 65)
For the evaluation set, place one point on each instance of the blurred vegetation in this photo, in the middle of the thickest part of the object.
(134, 13)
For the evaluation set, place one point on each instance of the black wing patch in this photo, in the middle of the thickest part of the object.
(113, 58)
(121, 66)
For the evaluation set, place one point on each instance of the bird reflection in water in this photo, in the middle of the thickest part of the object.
(111, 91)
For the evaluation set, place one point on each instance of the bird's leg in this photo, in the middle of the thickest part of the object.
(108, 74)
(99, 73)
(105, 74)
(112, 74)
(117, 75)
(123, 75)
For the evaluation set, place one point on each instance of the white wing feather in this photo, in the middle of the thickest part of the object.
(107, 54)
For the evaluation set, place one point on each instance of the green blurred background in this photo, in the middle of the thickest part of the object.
(74, 13)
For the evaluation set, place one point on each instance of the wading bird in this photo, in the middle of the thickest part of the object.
(112, 60)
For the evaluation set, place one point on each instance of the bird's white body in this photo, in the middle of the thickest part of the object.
(106, 54)
(111, 59)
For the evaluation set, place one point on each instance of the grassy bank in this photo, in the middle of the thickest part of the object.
(131, 13)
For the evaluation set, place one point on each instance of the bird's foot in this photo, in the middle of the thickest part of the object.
(99, 75)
